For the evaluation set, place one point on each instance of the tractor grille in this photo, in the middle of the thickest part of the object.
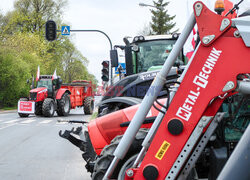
(33, 95)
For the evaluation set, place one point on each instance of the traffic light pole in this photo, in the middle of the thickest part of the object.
(111, 47)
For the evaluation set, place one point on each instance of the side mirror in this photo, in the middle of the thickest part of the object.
(114, 58)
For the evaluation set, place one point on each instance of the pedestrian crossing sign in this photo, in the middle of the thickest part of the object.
(65, 30)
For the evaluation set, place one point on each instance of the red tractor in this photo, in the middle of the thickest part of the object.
(51, 95)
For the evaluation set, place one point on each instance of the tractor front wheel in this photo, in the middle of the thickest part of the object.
(106, 157)
(64, 105)
(48, 107)
(38, 110)
(23, 115)
(88, 105)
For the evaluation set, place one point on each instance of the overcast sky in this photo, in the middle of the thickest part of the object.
(117, 18)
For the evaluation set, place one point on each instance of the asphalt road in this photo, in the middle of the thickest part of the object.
(30, 148)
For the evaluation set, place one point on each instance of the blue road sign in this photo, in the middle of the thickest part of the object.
(123, 68)
(65, 30)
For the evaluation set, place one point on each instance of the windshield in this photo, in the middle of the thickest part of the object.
(151, 54)
(45, 83)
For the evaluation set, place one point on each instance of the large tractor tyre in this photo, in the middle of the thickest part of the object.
(64, 105)
(48, 107)
(106, 157)
(39, 110)
(111, 107)
(88, 105)
(22, 115)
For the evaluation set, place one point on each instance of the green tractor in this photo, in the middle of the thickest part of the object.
(144, 57)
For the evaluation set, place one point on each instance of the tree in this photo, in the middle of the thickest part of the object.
(161, 21)
(31, 15)
(14, 72)
(23, 47)
(146, 30)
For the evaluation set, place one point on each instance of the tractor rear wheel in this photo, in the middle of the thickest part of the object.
(22, 115)
(88, 105)
(48, 107)
(64, 105)
(106, 157)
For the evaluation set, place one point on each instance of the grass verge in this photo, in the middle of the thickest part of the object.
(8, 108)
(94, 115)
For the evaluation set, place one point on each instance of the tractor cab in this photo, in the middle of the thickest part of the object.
(51, 85)
(150, 52)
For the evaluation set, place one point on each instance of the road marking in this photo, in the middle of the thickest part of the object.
(7, 126)
(61, 123)
(45, 122)
(12, 121)
(28, 121)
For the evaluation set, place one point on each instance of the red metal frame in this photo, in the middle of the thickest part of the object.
(212, 67)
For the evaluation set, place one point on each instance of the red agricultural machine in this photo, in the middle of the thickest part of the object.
(51, 95)
(201, 130)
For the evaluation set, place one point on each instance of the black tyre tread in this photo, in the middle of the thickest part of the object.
(88, 105)
(106, 157)
(38, 110)
(46, 107)
(60, 110)
(21, 114)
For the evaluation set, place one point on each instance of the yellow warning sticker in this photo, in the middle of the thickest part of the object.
(163, 149)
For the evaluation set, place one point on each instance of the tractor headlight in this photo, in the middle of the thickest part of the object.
(138, 38)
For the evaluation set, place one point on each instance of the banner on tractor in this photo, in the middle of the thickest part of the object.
(26, 107)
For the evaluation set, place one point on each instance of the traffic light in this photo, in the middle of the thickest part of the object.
(50, 30)
(105, 71)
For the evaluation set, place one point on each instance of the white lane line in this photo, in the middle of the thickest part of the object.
(28, 121)
(61, 123)
(8, 126)
(45, 122)
(12, 121)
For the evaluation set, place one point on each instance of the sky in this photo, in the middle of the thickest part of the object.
(117, 18)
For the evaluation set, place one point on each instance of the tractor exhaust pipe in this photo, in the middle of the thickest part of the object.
(148, 100)
(243, 87)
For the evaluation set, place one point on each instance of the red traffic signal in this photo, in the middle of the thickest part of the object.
(105, 64)
(105, 71)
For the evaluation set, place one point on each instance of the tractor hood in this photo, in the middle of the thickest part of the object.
(38, 90)
(103, 129)
(136, 85)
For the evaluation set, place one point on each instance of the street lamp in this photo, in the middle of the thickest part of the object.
(148, 5)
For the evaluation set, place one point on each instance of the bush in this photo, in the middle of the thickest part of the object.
(14, 72)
